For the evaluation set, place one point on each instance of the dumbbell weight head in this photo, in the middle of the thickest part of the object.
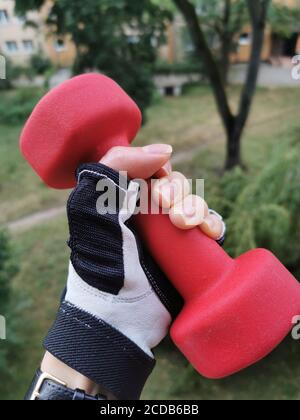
(78, 122)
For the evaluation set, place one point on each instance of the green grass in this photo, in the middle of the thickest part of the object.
(187, 122)
(43, 255)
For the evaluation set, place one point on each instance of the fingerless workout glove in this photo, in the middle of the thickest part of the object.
(118, 304)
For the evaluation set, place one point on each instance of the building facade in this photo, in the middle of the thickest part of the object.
(19, 42)
(274, 46)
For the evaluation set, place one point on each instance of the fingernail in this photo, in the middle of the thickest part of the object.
(159, 149)
(168, 193)
(167, 169)
(212, 226)
(209, 223)
(189, 210)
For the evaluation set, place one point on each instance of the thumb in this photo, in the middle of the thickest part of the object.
(138, 162)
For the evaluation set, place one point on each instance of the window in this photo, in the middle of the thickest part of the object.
(3, 17)
(133, 39)
(59, 45)
(28, 45)
(11, 47)
(245, 39)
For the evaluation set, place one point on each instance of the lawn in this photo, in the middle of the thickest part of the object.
(192, 125)
(43, 255)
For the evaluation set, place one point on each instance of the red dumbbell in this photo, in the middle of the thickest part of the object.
(236, 311)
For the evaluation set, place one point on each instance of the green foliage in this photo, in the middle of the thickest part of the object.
(265, 212)
(220, 24)
(8, 270)
(185, 67)
(284, 20)
(224, 27)
(118, 38)
(211, 15)
(40, 64)
(12, 72)
(22, 6)
(17, 106)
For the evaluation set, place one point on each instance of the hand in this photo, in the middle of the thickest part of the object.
(171, 191)
(118, 304)
(116, 297)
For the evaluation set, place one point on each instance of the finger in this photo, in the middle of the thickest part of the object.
(166, 170)
(138, 162)
(212, 226)
(189, 213)
(170, 190)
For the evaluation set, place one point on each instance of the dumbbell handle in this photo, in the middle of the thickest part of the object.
(192, 261)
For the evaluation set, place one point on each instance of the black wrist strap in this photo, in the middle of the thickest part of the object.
(45, 387)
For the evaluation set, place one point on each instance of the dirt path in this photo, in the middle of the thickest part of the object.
(35, 219)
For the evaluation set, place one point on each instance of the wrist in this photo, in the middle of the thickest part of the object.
(71, 377)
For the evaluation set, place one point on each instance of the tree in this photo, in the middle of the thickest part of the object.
(118, 38)
(221, 22)
(234, 124)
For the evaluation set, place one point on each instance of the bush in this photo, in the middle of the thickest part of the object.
(8, 270)
(40, 64)
(18, 105)
(12, 73)
(266, 211)
(189, 67)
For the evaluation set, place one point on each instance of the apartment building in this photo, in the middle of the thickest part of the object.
(275, 46)
(18, 42)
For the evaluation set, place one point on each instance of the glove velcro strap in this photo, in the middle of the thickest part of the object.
(99, 352)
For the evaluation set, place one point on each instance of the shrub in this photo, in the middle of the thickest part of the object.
(266, 211)
(17, 106)
(188, 67)
(40, 64)
(8, 270)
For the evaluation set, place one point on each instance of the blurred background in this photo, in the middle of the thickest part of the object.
(217, 79)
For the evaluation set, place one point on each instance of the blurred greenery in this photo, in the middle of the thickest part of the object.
(8, 304)
(187, 67)
(16, 107)
(40, 64)
(41, 281)
(266, 211)
(128, 34)
(13, 72)
(268, 194)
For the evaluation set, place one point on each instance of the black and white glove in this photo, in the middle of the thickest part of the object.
(118, 304)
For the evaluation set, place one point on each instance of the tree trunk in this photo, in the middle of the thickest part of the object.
(226, 42)
(258, 13)
(225, 58)
(234, 125)
(233, 150)
(211, 66)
